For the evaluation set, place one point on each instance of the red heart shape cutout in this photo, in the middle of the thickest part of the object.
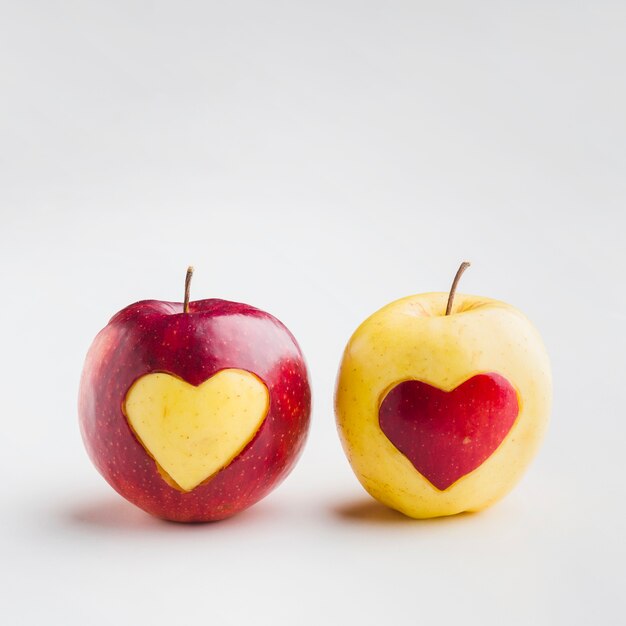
(446, 435)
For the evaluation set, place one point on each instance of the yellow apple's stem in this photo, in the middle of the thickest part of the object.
(187, 285)
(455, 282)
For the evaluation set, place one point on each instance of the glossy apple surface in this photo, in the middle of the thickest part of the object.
(154, 337)
(440, 414)
(446, 435)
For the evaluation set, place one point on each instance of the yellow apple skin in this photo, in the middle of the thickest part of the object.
(413, 339)
(193, 432)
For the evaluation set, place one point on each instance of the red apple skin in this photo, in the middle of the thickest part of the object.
(154, 336)
(448, 434)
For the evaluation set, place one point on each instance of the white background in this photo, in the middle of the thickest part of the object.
(315, 159)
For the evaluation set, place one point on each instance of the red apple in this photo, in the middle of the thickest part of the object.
(188, 349)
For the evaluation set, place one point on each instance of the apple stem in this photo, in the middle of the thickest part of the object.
(455, 282)
(187, 285)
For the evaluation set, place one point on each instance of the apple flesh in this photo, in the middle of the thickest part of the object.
(179, 374)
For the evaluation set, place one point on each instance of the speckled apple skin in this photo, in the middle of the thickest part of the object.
(154, 336)
(448, 434)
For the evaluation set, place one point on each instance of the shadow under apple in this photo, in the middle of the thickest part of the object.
(369, 511)
(112, 513)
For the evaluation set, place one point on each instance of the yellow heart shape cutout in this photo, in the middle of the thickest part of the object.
(193, 432)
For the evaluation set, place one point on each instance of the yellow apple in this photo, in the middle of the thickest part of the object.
(440, 414)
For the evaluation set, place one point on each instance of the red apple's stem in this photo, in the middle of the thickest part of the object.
(187, 284)
(455, 282)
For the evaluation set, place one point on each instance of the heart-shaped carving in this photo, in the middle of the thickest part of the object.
(193, 432)
(446, 435)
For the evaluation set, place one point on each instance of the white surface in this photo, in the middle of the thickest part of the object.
(317, 160)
